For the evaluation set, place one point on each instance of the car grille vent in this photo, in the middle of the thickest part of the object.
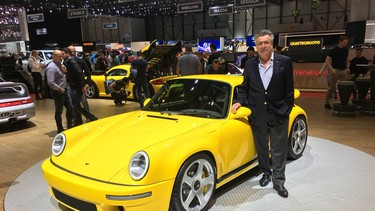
(72, 202)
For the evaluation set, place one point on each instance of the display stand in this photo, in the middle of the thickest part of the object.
(368, 106)
(344, 108)
(363, 86)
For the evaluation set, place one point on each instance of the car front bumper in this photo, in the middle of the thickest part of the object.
(80, 193)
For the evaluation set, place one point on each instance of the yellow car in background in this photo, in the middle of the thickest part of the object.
(100, 82)
(170, 155)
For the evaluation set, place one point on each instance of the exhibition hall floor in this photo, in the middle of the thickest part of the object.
(335, 173)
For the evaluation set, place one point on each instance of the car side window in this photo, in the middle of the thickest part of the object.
(235, 93)
(118, 72)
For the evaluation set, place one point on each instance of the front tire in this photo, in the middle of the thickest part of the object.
(297, 138)
(195, 184)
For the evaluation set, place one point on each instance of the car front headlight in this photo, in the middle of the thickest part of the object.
(58, 144)
(139, 164)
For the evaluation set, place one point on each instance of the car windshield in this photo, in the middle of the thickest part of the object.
(193, 97)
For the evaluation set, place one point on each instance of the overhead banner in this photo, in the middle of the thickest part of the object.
(125, 1)
(190, 7)
(33, 18)
(222, 10)
(78, 13)
(249, 3)
(112, 25)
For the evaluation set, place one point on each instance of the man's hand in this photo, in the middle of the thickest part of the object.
(235, 107)
(85, 88)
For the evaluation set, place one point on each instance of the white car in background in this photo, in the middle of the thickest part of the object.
(15, 102)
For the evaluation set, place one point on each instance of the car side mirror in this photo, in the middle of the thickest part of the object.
(297, 93)
(242, 112)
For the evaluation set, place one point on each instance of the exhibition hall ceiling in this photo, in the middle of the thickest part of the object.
(131, 8)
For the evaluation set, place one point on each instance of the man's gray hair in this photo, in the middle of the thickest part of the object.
(264, 32)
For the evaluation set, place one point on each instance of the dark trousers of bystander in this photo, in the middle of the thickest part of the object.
(76, 96)
(37, 77)
(141, 87)
(62, 100)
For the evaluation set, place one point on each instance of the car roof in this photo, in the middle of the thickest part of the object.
(231, 79)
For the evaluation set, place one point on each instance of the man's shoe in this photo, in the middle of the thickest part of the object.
(94, 118)
(281, 190)
(327, 106)
(266, 178)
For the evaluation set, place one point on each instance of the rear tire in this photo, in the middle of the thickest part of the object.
(297, 138)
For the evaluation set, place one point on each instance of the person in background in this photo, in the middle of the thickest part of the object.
(202, 60)
(279, 49)
(101, 62)
(56, 80)
(250, 54)
(36, 69)
(18, 59)
(268, 90)
(188, 64)
(329, 79)
(86, 58)
(119, 92)
(215, 68)
(93, 58)
(114, 60)
(336, 62)
(356, 71)
(87, 72)
(214, 54)
(140, 81)
(76, 81)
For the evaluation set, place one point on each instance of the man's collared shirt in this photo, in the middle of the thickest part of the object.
(266, 73)
(55, 77)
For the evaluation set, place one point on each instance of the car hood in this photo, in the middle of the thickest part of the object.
(101, 149)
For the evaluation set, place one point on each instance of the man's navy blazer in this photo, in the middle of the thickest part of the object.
(277, 99)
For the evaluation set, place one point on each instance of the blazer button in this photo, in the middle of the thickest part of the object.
(265, 103)
(265, 93)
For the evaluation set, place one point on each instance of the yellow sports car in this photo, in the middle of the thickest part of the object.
(171, 155)
(100, 79)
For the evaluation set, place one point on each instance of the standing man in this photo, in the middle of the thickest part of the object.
(268, 90)
(214, 54)
(87, 72)
(76, 81)
(356, 71)
(101, 63)
(336, 62)
(56, 80)
(36, 69)
(250, 54)
(141, 82)
(188, 64)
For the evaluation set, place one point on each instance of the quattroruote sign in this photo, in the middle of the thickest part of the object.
(77, 13)
(249, 3)
(222, 10)
(190, 7)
